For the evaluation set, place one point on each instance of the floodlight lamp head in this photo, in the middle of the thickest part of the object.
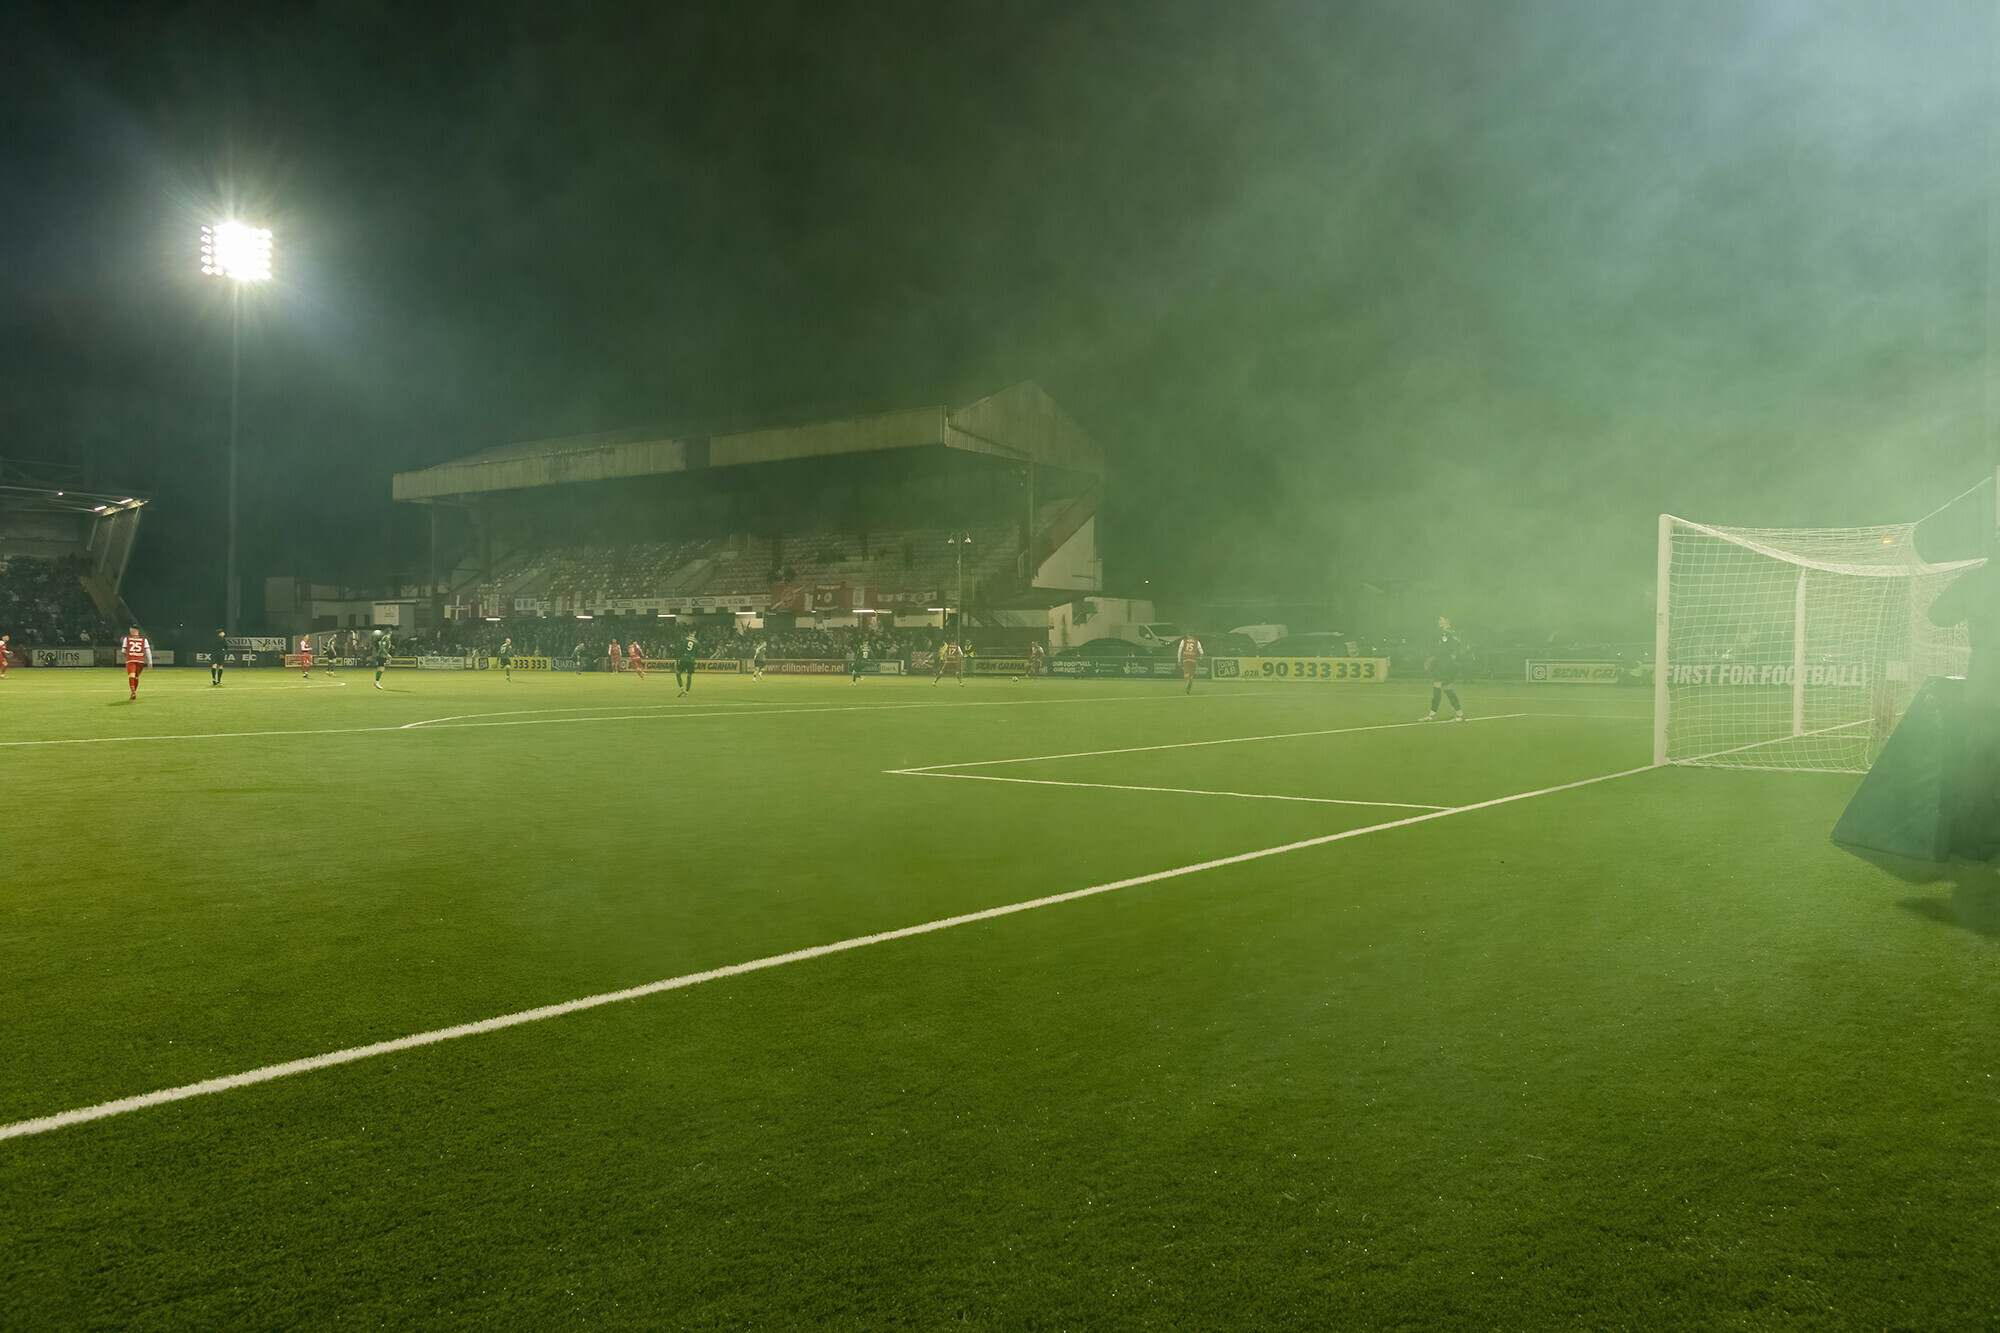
(232, 250)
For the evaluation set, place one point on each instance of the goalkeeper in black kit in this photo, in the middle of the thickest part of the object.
(1446, 659)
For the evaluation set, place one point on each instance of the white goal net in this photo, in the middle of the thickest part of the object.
(1793, 647)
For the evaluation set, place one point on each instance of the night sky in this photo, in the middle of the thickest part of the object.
(1459, 294)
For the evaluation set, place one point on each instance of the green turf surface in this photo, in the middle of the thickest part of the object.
(1646, 1053)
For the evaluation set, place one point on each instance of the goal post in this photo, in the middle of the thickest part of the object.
(1792, 648)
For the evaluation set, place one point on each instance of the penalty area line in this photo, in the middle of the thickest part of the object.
(267, 1073)
(1179, 791)
(935, 769)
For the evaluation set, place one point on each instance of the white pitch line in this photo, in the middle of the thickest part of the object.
(265, 1074)
(593, 708)
(1184, 791)
(207, 691)
(578, 708)
(1775, 740)
(622, 717)
(1187, 745)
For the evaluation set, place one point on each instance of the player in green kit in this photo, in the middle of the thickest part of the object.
(507, 657)
(684, 663)
(381, 656)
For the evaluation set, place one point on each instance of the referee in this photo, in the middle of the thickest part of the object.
(1443, 664)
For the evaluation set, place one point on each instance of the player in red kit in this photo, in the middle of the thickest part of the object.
(638, 659)
(306, 656)
(138, 656)
(616, 654)
(1190, 655)
(3, 657)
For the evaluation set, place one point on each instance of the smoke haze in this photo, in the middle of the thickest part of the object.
(1450, 296)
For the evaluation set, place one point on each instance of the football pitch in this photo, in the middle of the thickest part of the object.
(1007, 1005)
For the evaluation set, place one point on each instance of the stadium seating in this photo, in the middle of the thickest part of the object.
(44, 602)
(899, 563)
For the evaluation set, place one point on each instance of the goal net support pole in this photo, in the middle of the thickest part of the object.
(1661, 638)
(1799, 655)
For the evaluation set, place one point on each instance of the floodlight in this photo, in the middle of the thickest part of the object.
(241, 254)
(232, 250)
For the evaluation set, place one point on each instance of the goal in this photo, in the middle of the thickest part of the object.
(1792, 648)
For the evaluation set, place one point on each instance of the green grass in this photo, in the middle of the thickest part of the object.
(1648, 1053)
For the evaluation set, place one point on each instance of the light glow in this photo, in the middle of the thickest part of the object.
(232, 250)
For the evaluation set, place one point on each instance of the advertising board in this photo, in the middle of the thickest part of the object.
(1314, 670)
(1573, 673)
(1116, 668)
(727, 665)
(61, 657)
(1818, 675)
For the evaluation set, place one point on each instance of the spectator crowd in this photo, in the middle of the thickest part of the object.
(587, 639)
(43, 602)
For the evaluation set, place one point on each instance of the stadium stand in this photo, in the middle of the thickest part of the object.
(63, 553)
(47, 602)
(799, 520)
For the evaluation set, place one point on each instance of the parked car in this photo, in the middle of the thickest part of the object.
(1308, 645)
(1232, 644)
(1157, 635)
(1262, 634)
